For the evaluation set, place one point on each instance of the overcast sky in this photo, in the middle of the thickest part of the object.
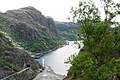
(57, 9)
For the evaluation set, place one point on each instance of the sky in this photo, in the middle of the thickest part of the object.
(59, 10)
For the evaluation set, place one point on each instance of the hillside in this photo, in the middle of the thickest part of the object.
(66, 30)
(14, 59)
(30, 29)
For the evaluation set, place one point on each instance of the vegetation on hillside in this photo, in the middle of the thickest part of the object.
(5, 44)
(44, 44)
(66, 30)
(14, 59)
(8, 66)
(27, 36)
(100, 57)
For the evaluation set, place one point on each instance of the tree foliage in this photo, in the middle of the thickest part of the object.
(100, 58)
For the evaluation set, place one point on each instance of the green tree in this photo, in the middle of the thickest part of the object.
(99, 59)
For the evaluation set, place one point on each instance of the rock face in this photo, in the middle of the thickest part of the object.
(30, 29)
(14, 59)
(32, 17)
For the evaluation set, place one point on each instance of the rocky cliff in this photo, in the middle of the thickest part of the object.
(14, 59)
(34, 18)
(30, 29)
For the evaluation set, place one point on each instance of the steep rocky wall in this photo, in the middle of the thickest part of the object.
(14, 59)
(30, 29)
(33, 18)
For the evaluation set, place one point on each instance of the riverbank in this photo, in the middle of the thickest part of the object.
(56, 60)
(38, 55)
(48, 74)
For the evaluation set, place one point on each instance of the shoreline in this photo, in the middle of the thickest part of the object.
(48, 73)
(38, 55)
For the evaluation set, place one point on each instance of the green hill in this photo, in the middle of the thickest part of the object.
(66, 30)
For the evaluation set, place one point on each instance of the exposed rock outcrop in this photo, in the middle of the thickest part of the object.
(33, 18)
(30, 29)
(14, 59)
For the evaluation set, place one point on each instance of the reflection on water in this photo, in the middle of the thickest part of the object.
(57, 58)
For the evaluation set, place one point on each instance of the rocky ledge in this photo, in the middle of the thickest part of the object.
(48, 74)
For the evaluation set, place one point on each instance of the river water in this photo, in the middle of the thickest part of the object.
(56, 59)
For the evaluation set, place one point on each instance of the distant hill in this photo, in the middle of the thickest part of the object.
(66, 30)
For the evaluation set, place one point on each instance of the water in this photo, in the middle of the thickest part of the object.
(57, 58)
